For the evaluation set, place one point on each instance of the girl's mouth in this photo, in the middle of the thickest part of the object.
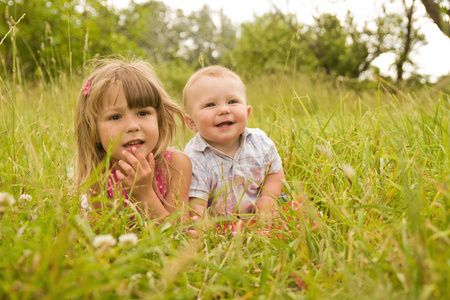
(133, 143)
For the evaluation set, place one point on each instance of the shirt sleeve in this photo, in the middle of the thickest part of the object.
(200, 185)
(271, 153)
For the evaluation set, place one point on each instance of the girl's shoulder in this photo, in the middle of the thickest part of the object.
(179, 160)
(177, 156)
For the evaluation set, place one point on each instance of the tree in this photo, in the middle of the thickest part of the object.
(149, 25)
(409, 37)
(39, 45)
(225, 39)
(439, 12)
(267, 44)
(97, 30)
(340, 49)
(206, 38)
(55, 35)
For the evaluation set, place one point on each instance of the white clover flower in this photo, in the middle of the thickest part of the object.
(104, 241)
(129, 239)
(25, 198)
(6, 199)
(348, 171)
(85, 203)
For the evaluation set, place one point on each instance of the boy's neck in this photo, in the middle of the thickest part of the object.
(229, 149)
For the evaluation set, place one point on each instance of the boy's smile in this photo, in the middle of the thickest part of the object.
(126, 128)
(217, 109)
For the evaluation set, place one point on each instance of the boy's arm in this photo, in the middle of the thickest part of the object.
(270, 191)
(199, 206)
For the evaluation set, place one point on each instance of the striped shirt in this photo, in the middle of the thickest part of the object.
(232, 185)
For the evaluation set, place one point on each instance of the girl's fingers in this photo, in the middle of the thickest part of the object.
(131, 158)
(135, 158)
(129, 171)
(135, 167)
(125, 180)
(141, 159)
(120, 176)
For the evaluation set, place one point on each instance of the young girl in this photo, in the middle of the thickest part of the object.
(124, 111)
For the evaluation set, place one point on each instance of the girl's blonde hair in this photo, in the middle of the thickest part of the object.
(142, 88)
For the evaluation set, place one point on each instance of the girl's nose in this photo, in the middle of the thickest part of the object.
(132, 125)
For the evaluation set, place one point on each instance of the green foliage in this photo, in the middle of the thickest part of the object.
(376, 165)
(44, 55)
(266, 45)
(53, 36)
(97, 31)
(143, 24)
(339, 49)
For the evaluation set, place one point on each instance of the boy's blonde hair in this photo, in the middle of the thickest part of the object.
(213, 71)
(142, 88)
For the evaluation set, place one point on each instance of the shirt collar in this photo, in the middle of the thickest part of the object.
(200, 144)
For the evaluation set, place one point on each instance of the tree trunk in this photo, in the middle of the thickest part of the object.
(407, 43)
(433, 11)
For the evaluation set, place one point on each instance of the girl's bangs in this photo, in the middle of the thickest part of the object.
(140, 93)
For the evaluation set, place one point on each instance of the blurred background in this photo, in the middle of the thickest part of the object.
(402, 41)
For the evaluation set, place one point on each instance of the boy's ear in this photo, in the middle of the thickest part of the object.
(190, 123)
(249, 110)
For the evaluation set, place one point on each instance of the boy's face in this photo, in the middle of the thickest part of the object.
(217, 109)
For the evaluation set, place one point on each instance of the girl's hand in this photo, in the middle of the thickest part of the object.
(137, 173)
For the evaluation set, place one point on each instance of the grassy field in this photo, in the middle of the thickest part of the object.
(376, 164)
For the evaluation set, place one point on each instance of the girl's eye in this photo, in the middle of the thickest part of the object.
(143, 113)
(114, 117)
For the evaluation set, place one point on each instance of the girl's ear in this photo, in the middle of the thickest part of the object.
(190, 123)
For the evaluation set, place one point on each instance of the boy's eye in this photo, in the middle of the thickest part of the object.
(209, 105)
(233, 101)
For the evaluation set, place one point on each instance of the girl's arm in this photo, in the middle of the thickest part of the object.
(177, 198)
(270, 191)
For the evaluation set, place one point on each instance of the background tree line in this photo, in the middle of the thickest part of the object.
(41, 38)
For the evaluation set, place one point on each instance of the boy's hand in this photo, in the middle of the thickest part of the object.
(138, 172)
(267, 208)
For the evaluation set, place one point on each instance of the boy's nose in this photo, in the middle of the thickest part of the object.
(224, 109)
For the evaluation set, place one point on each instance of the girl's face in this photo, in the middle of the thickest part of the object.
(125, 128)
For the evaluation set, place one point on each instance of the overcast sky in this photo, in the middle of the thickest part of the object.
(432, 59)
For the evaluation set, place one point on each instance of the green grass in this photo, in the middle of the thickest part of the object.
(375, 164)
